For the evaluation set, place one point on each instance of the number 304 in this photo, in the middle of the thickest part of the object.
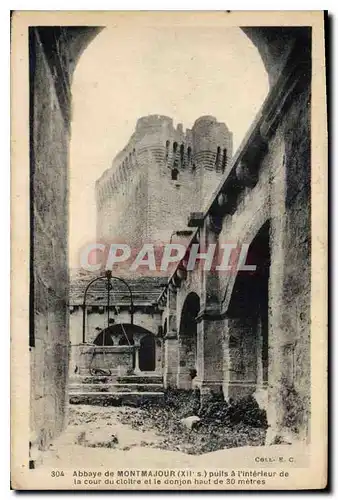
(57, 473)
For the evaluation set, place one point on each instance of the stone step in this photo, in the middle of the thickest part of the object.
(108, 379)
(140, 379)
(90, 379)
(114, 399)
(114, 388)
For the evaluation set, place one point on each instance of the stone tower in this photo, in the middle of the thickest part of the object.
(161, 176)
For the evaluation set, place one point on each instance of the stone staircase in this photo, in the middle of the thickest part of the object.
(105, 390)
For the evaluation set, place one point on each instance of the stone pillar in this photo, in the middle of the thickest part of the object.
(210, 327)
(171, 344)
(209, 356)
(259, 353)
(187, 360)
(158, 356)
(261, 393)
(240, 357)
(288, 373)
(170, 361)
(137, 358)
(84, 358)
(279, 368)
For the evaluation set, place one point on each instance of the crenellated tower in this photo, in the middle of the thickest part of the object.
(161, 176)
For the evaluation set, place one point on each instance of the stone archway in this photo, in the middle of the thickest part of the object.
(246, 363)
(187, 369)
(147, 353)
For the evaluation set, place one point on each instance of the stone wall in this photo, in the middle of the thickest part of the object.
(117, 359)
(53, 53)
(49, 284)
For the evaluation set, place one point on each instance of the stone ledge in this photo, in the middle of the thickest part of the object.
(115, 399)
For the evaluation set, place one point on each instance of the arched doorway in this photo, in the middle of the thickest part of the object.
(187, 369)
(247, 348)
(147, 354)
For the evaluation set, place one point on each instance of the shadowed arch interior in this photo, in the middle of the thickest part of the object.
(147, 353)
(248, 318)
(126, 332)
(188, 340)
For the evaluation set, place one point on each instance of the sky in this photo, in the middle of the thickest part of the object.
(183, 72)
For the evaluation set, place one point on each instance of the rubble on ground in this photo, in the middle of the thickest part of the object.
(221, 425)
(215, 425)
(191, 422)
(98, 438)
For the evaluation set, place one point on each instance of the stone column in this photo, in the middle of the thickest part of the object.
(187, 360)
(240, 350)
(289, 358)
(158, 356)
(261, 393)
(171, 344)
(170, 361)
(137, 358)
(85, 358)
(210, 326)
(259, 354)
(279, 368)
(209, 355)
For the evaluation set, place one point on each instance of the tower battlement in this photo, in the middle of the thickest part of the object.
(163, 160)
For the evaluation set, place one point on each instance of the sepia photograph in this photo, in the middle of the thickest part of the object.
(169, 247)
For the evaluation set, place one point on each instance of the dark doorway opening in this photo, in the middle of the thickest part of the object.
(147, 358)
(188, 341)
(248, 317)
